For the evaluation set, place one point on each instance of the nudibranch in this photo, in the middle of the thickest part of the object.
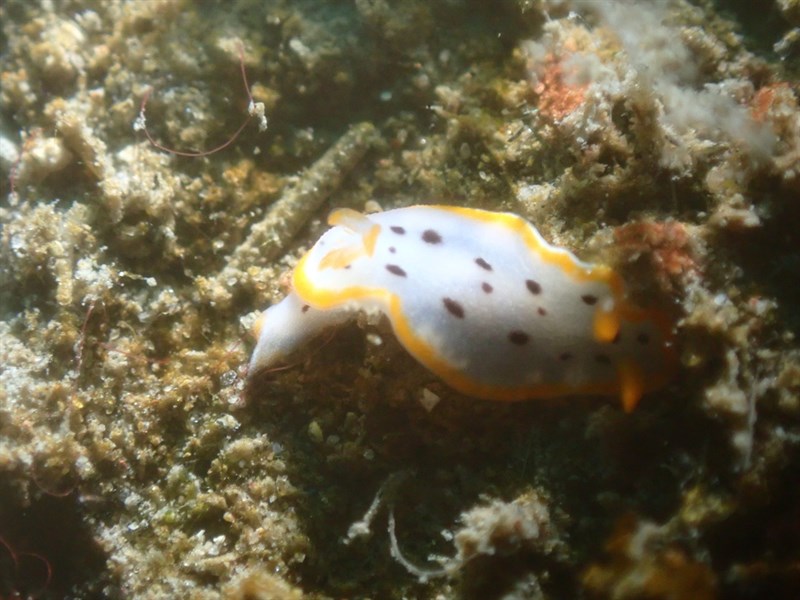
(479, 298)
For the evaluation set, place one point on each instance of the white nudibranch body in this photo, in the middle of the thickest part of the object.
(480, 299)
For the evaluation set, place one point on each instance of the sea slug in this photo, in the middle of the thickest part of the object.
(480, 299)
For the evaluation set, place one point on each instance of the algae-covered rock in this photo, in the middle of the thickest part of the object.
(145, 219)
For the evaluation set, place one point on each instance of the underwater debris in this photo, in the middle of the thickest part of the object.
(496, 529)
(493, 528)
(502, 528)
(363, 527)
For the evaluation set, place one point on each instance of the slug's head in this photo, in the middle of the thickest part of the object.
(339, 266)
